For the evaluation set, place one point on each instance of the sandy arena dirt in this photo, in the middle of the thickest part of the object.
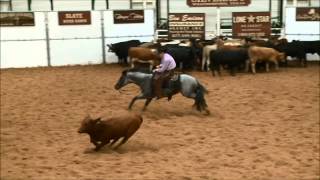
(263, 126)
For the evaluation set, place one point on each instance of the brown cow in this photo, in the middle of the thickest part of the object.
(102, 131)
(143, 55)
(257, 54)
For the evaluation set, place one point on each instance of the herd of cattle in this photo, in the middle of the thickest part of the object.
(233, 54)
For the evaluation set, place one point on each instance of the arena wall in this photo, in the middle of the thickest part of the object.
(26, 46)
(301, 30)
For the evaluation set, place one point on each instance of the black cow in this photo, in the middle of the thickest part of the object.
(309, 46)
(292, 50)
(182, 55)
(234, 58)
(299, 49)
(121, 49)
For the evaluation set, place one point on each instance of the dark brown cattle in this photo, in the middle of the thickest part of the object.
(102, 131)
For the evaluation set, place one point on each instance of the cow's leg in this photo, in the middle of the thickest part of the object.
(203, 63)
(94, 141)
(213, 72)
(247, 66)
(233, 70)
(267, 66)
(286, 60)
(219, 69)
(124, 140)
(253, 67)
(276, 65)
(304, 62)
(130, 132)
(131, 62)
(181, 65)
(114, 141)
(140, 96)
(203, 59)
(208, 64)
(146, 104)
(99, 146)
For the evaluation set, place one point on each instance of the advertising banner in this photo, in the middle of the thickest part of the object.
(16, 19)
(217, 3)
(253, 24)
(308, 14)
(74, 17)
(128, 16)
(186, 25)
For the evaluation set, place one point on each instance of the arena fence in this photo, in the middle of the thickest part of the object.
(49, 44)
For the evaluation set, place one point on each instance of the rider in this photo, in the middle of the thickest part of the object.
(163, 73)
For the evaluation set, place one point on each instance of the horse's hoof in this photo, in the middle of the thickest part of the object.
(207, 112)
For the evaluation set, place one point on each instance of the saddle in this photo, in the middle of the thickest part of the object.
(172, 83)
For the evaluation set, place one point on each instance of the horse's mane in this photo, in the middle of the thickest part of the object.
(141, 70)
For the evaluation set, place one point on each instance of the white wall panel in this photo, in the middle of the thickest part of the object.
(119, 4)
(75, 52)
(20, 54)
(74, 49)
(69, 5)
(134, 29)
(100, 5)
(41, 5)
(19, 5)
(24, 53)
(308, 30)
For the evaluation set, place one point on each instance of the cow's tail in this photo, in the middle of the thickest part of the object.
(200, 101)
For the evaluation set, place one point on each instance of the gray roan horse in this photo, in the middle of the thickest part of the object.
(186, 84)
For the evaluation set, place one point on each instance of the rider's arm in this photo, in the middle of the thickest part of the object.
(163, 66)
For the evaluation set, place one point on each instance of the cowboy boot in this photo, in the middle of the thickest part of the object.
(167, 92)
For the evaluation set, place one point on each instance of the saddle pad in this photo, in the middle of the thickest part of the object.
(175, 77)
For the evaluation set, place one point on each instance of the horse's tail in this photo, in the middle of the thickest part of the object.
(200, 102)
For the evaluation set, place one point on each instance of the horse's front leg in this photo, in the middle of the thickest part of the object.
(146, 103)
(140, 96)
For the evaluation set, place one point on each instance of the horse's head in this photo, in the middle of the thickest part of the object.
(123, 80)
